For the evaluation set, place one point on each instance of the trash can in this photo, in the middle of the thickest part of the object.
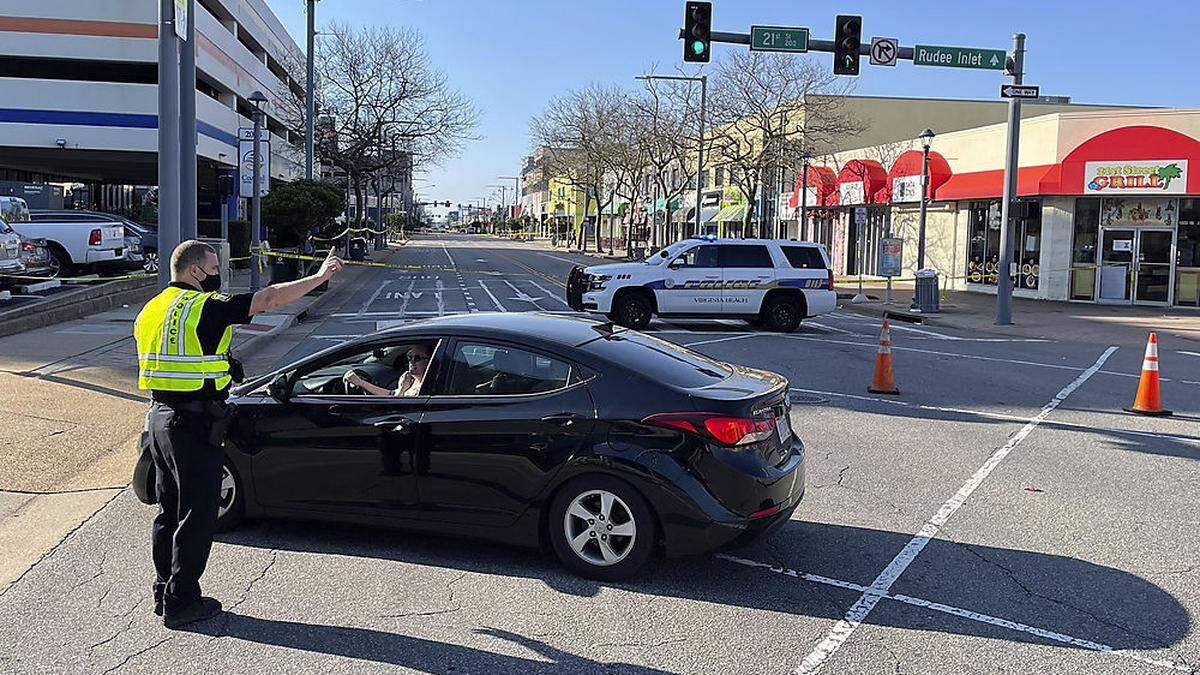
(284, 269)
(927, 296)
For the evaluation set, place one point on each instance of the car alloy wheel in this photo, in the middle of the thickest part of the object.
(783, 315)
(633, 312)
(230, 506)
(600, 528)
(150, 262)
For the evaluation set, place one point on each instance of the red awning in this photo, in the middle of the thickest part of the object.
(1132, 143)
(1031, 180)
(909, 164)
(819, 177)
(866, 171)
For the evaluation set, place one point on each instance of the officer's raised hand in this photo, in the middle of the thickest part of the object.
(286, 293)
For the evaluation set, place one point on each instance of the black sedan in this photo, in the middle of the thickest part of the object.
(605, 444)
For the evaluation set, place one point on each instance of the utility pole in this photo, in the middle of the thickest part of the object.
(257, 99)
(309, 96)
(187, 128)
(1012, 150)
(168, 139)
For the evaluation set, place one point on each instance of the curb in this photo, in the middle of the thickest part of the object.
(73, 304)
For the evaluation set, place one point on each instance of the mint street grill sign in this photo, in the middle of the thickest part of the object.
(959, 57)
(778, 39)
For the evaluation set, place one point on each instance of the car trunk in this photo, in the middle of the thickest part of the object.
(752, 394)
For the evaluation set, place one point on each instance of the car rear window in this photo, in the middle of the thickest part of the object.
(804, 257)
(744, 255)
(659, 360)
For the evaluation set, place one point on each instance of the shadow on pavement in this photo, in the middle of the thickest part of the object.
(427, 656)
(1058, 593)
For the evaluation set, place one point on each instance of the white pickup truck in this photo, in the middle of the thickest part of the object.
(74, 245)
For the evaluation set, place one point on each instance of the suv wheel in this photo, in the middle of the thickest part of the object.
(633, 310)
(601, 528)
(782, 314)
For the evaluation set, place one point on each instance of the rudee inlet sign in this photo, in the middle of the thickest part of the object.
(1164, 177)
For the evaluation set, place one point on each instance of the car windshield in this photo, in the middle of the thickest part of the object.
(668, 252)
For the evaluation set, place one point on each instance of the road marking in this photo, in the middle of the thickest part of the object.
(521, 295)
(374, 296)
(560, 259)
(448, 256)
(1190, 353)
(723, 339)
(492, 296)
(548, 293)
(968, 614)
(835, 330)
(441, 303)
(870, 597)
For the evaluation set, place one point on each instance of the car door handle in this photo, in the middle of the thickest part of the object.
(562, 419)
(398, 424)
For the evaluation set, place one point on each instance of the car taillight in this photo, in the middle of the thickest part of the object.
(28, 246)
(830, 279)
(723, 429)
(94, 239)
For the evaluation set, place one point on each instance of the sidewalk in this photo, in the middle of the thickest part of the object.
(1046, 319)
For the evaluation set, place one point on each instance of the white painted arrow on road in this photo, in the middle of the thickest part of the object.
(521, 295)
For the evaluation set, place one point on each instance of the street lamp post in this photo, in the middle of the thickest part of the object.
(309, 97)
(703, 80)
(806, 156)
(257, 99)
(925, 138)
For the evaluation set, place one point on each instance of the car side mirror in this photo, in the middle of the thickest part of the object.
(279, 389)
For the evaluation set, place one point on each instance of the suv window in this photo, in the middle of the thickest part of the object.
(659, 360)
(494, 370)
(741, 255)
(804, 257)
(700, 256)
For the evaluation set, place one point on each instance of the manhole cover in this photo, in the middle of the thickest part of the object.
(807, 399)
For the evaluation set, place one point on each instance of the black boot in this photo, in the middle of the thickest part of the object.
(198, 610)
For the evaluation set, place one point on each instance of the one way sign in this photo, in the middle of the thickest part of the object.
(1020, 91)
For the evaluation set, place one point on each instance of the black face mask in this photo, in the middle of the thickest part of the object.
(211, 283)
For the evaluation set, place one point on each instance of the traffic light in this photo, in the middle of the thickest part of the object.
(847, 39)
(697, 31)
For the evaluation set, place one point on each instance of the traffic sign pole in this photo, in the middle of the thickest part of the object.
(1004, 279)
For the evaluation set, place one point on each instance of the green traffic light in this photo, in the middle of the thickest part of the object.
(699, 47)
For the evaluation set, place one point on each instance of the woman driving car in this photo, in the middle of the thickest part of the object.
(409, 383)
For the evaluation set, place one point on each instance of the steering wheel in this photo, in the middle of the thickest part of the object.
(362, 374)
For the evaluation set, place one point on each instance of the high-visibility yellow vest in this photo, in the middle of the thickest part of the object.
(169, 353)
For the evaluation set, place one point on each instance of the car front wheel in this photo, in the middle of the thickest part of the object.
(231, 504)
(633, 310)
(601, 528)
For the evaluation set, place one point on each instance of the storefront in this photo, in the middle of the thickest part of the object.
(862, 194)
(814, 203)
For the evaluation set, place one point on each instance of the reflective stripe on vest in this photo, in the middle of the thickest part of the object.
(170, 357)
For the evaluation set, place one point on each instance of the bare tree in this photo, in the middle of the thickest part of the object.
(375, 84)
(670, 110)
(766, 109)
(576, 127)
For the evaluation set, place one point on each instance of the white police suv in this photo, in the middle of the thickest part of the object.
(771, 282)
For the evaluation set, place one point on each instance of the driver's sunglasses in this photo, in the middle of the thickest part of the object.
(418, 357)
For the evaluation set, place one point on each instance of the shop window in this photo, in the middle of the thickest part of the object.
(719, 180)
(1187, 254)
(983, 246)
(1083, 249)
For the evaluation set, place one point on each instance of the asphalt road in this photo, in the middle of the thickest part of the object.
(1001, 515)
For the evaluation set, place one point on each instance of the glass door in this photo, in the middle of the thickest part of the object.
(1153, 273)
(1115, 272)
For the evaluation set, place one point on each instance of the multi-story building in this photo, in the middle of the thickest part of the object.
(81, 102)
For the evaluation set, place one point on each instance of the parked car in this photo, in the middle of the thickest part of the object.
(603, 444)
(72, 243)
(10, 254)
(141, 250)
(36, 257)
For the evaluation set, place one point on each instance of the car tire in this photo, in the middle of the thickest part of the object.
(150, 261)
(601, 555)
(231, 505)
(633, 310)
(60, 260)
(782, 314)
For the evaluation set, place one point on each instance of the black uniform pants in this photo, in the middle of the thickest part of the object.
(188, 484)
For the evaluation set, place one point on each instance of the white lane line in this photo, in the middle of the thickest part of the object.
(960, 612)
(448, 256)
(492, 296)
(1190, 353)
(520, 293)
(858, 613)
(921, 331)
(566, 260)
(1002, 416)
(374, 295)
(723, 339)
(437, 293)
(548, 293)
(834, 330)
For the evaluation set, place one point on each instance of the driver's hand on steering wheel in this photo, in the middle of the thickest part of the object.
(351, 378)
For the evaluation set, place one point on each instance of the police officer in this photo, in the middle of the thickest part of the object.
(183, 337)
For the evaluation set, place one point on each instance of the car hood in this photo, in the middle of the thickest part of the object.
(615, 268)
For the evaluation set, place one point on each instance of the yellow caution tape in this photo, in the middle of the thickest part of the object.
(381, 265)
(84, 279)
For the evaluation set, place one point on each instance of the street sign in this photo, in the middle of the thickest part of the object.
(1020, 91)
(860, 215)
(181, 19)
(891, 257)
(884, 51)
(792, 39)
(959, 57)
(246, 162)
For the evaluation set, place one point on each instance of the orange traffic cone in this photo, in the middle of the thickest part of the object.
(884, 382)
(1148, 400)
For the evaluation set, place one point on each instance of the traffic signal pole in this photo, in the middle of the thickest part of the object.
(168, 139)
(1004, 286)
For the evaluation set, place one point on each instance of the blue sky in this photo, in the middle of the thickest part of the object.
(512, 56)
